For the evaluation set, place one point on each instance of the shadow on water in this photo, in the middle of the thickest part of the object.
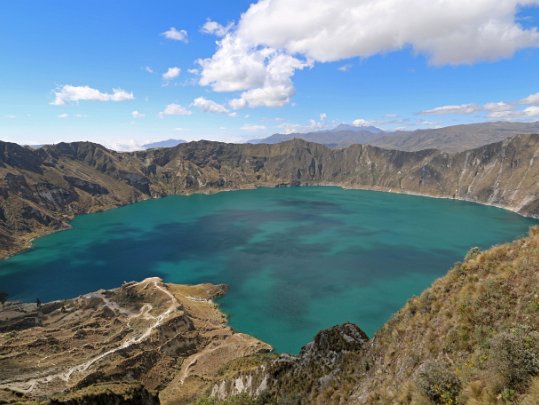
(125, 252)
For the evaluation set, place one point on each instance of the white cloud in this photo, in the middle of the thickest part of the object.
(214, 28)
(531, 99)
(252, 127)
(193, 71)
(63, 115)
(532, 111)
(504, 115)
(175, 34)
(137, 114)
(498, 107)
(68, 93)
(209, 105)
(360, 122)
(233, 67)
(345, 68)
(453, 109)
(276, 88)
(174, 109)
(148, 69)
(263, 74)
(312, 125)
(124, 145)
(171, 73)
(274, 38)
(447, 32)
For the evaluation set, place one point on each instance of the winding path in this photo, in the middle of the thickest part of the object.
(28, 385)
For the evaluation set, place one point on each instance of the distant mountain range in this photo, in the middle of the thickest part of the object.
(456, 138)
(339, 137)
(168, 143)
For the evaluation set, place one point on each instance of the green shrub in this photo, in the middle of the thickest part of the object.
(514, 357)
(438, 383)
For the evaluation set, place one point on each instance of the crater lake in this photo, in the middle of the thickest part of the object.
(297, 260)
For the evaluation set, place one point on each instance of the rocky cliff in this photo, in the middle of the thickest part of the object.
(145, 342)
(41, 190)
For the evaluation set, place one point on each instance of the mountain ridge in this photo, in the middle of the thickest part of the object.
(456, 138)
(43, 189)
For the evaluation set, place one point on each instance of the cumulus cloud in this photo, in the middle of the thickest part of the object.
(285, 36)
(360, 122)
(68, 93)
(453, 109)
(263, 74)
(345, 68)
(447, 32)
(174, 109)
(252, 127)
(176, 35)
(209, 105)
(137, 114)
(531, 99)
(214, 28)
(171, 73)
(532, 111)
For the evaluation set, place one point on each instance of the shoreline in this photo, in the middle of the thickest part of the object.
(27, 242)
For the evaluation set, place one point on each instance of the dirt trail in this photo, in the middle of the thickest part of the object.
(30, 382)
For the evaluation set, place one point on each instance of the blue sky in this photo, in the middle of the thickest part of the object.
(284, 65)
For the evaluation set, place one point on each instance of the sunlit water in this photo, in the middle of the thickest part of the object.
(297, 260)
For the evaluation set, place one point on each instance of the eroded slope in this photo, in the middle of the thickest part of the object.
(170, 338)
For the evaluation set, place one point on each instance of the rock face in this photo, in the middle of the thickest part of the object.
(471, 338)
(41, 190)
(118, 346)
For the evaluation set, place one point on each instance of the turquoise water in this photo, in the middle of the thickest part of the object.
(297, 260)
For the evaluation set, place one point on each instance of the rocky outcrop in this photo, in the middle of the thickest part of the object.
(43, 189)
(118, 346)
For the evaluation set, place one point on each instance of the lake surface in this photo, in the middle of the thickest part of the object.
(297, 260)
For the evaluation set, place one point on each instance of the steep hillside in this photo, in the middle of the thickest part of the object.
(43, 189)
(472, 338)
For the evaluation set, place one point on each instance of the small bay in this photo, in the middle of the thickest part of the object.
(296, 260)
